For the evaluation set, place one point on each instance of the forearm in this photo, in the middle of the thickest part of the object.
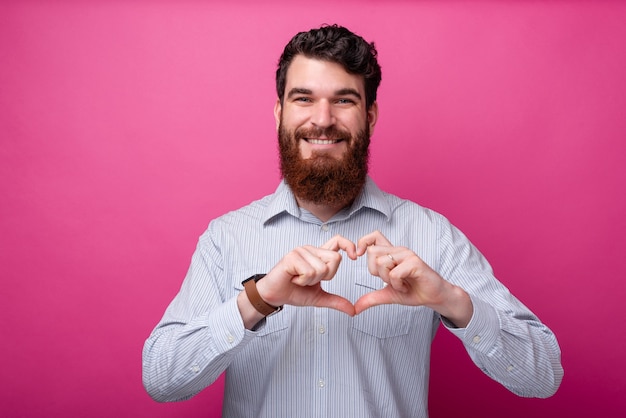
(513, 348)
(250, 316)
(180, 359)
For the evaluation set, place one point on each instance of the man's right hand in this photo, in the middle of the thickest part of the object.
(296, 280)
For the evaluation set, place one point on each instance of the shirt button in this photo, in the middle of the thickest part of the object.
(325, 227)
(195, 368)
(321, 329)
(476, 339)
(230, 338)
(510, 368)
(321, 383)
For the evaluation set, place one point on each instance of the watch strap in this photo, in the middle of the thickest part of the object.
(255, 299)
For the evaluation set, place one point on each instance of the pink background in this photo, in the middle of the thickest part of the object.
(126, 126)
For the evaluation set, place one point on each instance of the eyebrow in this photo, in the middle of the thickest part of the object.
(298, 90)
(341, 92)
(348, 92)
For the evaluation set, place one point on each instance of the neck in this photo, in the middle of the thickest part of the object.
(321, 212)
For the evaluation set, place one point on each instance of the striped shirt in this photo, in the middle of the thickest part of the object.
(318, 362)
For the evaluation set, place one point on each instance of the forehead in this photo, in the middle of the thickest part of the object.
(321, 76)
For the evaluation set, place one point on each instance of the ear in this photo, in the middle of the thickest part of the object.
(277, 112)
(372, 116)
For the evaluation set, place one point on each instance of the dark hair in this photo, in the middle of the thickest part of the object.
(335, 44)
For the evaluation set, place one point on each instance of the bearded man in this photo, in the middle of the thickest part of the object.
(302, 332)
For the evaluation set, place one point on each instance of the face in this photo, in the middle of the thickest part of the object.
(324, 130)
(321, 95)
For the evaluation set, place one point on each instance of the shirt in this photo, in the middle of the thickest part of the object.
(318, 362)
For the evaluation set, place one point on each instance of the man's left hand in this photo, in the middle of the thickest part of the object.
(410, 281)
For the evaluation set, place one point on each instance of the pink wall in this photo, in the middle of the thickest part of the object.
(126, 126)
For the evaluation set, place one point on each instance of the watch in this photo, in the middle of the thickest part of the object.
(255, 299)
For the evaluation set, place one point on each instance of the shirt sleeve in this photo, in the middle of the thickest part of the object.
(198, 335)
(504, 338)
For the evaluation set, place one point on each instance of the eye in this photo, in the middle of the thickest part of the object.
(302, 99)
(345, 101)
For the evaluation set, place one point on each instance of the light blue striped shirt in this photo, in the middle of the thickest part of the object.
(317, 362)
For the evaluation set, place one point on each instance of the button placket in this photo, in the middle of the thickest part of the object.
(321, 348)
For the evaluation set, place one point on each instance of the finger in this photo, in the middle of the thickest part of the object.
(303, 267)
(393, 271)
(389, 261)
(380, 262)
(338, 242)
(375, 298)
(396, 281)
(379, 265)
(329, 300)
(373, 238)
(311, 264)
(331, 258)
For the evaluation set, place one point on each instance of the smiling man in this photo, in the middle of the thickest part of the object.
(298, 329)
(324, 125)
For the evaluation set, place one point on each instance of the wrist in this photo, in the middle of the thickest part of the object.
(255, 299)
(249, 315)
(456, 306)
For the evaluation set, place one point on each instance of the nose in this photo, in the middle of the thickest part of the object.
(322, 116)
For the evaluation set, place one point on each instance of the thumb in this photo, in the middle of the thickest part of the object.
(328, 300)
(374, 298)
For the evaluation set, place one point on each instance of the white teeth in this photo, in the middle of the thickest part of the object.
(322, 141)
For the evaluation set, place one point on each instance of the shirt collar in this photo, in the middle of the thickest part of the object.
(283, 201)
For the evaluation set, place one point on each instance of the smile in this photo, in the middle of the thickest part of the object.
(322, 141)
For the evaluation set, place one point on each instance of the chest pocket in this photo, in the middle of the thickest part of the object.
(384, 321)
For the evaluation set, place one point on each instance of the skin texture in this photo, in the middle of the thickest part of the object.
(321, 94)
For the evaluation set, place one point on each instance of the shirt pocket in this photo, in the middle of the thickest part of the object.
(383, 321)
(273, 323)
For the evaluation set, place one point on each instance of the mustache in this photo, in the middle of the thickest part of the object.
(331, 132)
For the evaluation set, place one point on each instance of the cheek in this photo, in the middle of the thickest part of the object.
(353, 123)
(294, 117)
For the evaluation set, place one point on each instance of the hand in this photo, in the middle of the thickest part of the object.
(409, 281)
(296, 279)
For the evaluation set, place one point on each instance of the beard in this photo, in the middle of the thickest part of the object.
(323, 179)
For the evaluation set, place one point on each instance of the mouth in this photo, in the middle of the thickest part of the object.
(316, 141)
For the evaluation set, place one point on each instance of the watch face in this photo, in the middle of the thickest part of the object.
(256, 278)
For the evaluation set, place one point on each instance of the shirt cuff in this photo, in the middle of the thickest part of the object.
(226, 327)
(483, 330)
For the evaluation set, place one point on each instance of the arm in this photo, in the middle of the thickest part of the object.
(198, 335)
(504, 338)
(501, 335)
(202, 331)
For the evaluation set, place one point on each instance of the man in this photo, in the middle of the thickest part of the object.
(346, 285)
